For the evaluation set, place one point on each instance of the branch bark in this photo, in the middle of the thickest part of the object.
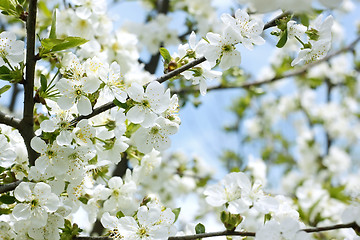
(9, 120)
(352, 225)
(288, 74)
(9, 187)
(27, 123)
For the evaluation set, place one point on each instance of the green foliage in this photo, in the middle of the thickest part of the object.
(176, 211)
(52, 34)
(69, 231)
(120, 214)
(50, 45)
(283, 39)
(13, 76)
(4, 89)
(12, 8)
(199, 228)
(7, 199)
(230, 221)
(165, 54)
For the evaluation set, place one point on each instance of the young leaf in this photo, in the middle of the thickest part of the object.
(165, 54)
(52, 34)
(69, 42)
(43, 82)
(7, 199)
(120, 214)
(176, 211)
(283, 39)
(4, 89)
(199, 228)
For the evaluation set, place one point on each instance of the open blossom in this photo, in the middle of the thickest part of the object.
(49, 154)
(36, 201)
(7, 154)
(235, 191)
(199, 75)
(287, 229)
(155, 136)
(75, 92)
(121, 194)
(147, 103)
(152, 222)
(222, 47)
(320, 39)
(248, 30)
(114, 83)
(11, 49)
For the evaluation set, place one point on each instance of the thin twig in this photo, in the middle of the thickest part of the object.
(333, 227)
(272, 23)
(165, 77)
(288, 74)
(213, 234)
(9, 120)
(9, 187)
(352, 225)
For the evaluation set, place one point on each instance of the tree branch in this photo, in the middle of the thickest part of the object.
(165, 77)
(9, 187)
(213, 234)
(272, 23)
(288, 74)
(9, 120)
(27, 123)
(352, 225)
(96, 111)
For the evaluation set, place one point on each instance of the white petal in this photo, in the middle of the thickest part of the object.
(84, 106)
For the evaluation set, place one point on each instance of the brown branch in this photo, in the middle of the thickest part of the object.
(9, 187)
(272, 23)
(96, 111)
(213, 234)
(164, 78)
(9, 120)
(352, 225)
(288, 74)
(27, 123)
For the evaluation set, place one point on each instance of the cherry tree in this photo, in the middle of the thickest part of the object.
(92, 136)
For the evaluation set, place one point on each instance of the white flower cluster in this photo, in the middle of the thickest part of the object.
(319, 34)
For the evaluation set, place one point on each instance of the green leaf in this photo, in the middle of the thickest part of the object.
(4, 211)
(43, 82)
(52, 34)
(120, 214)
(165, 54)
(283, 39)
(48, 43)
(7, 6)
(199, 228)
(7, 199)
(176, 211)
(4, 70)
(4, 89)
(120, 104)
(55, 45)
(69, 42)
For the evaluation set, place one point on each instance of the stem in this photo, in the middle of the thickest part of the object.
(170, 75)
(9, 187)
(213, 234)
(27, 123)
(352, 225)
(9, 120)
(288, 74)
